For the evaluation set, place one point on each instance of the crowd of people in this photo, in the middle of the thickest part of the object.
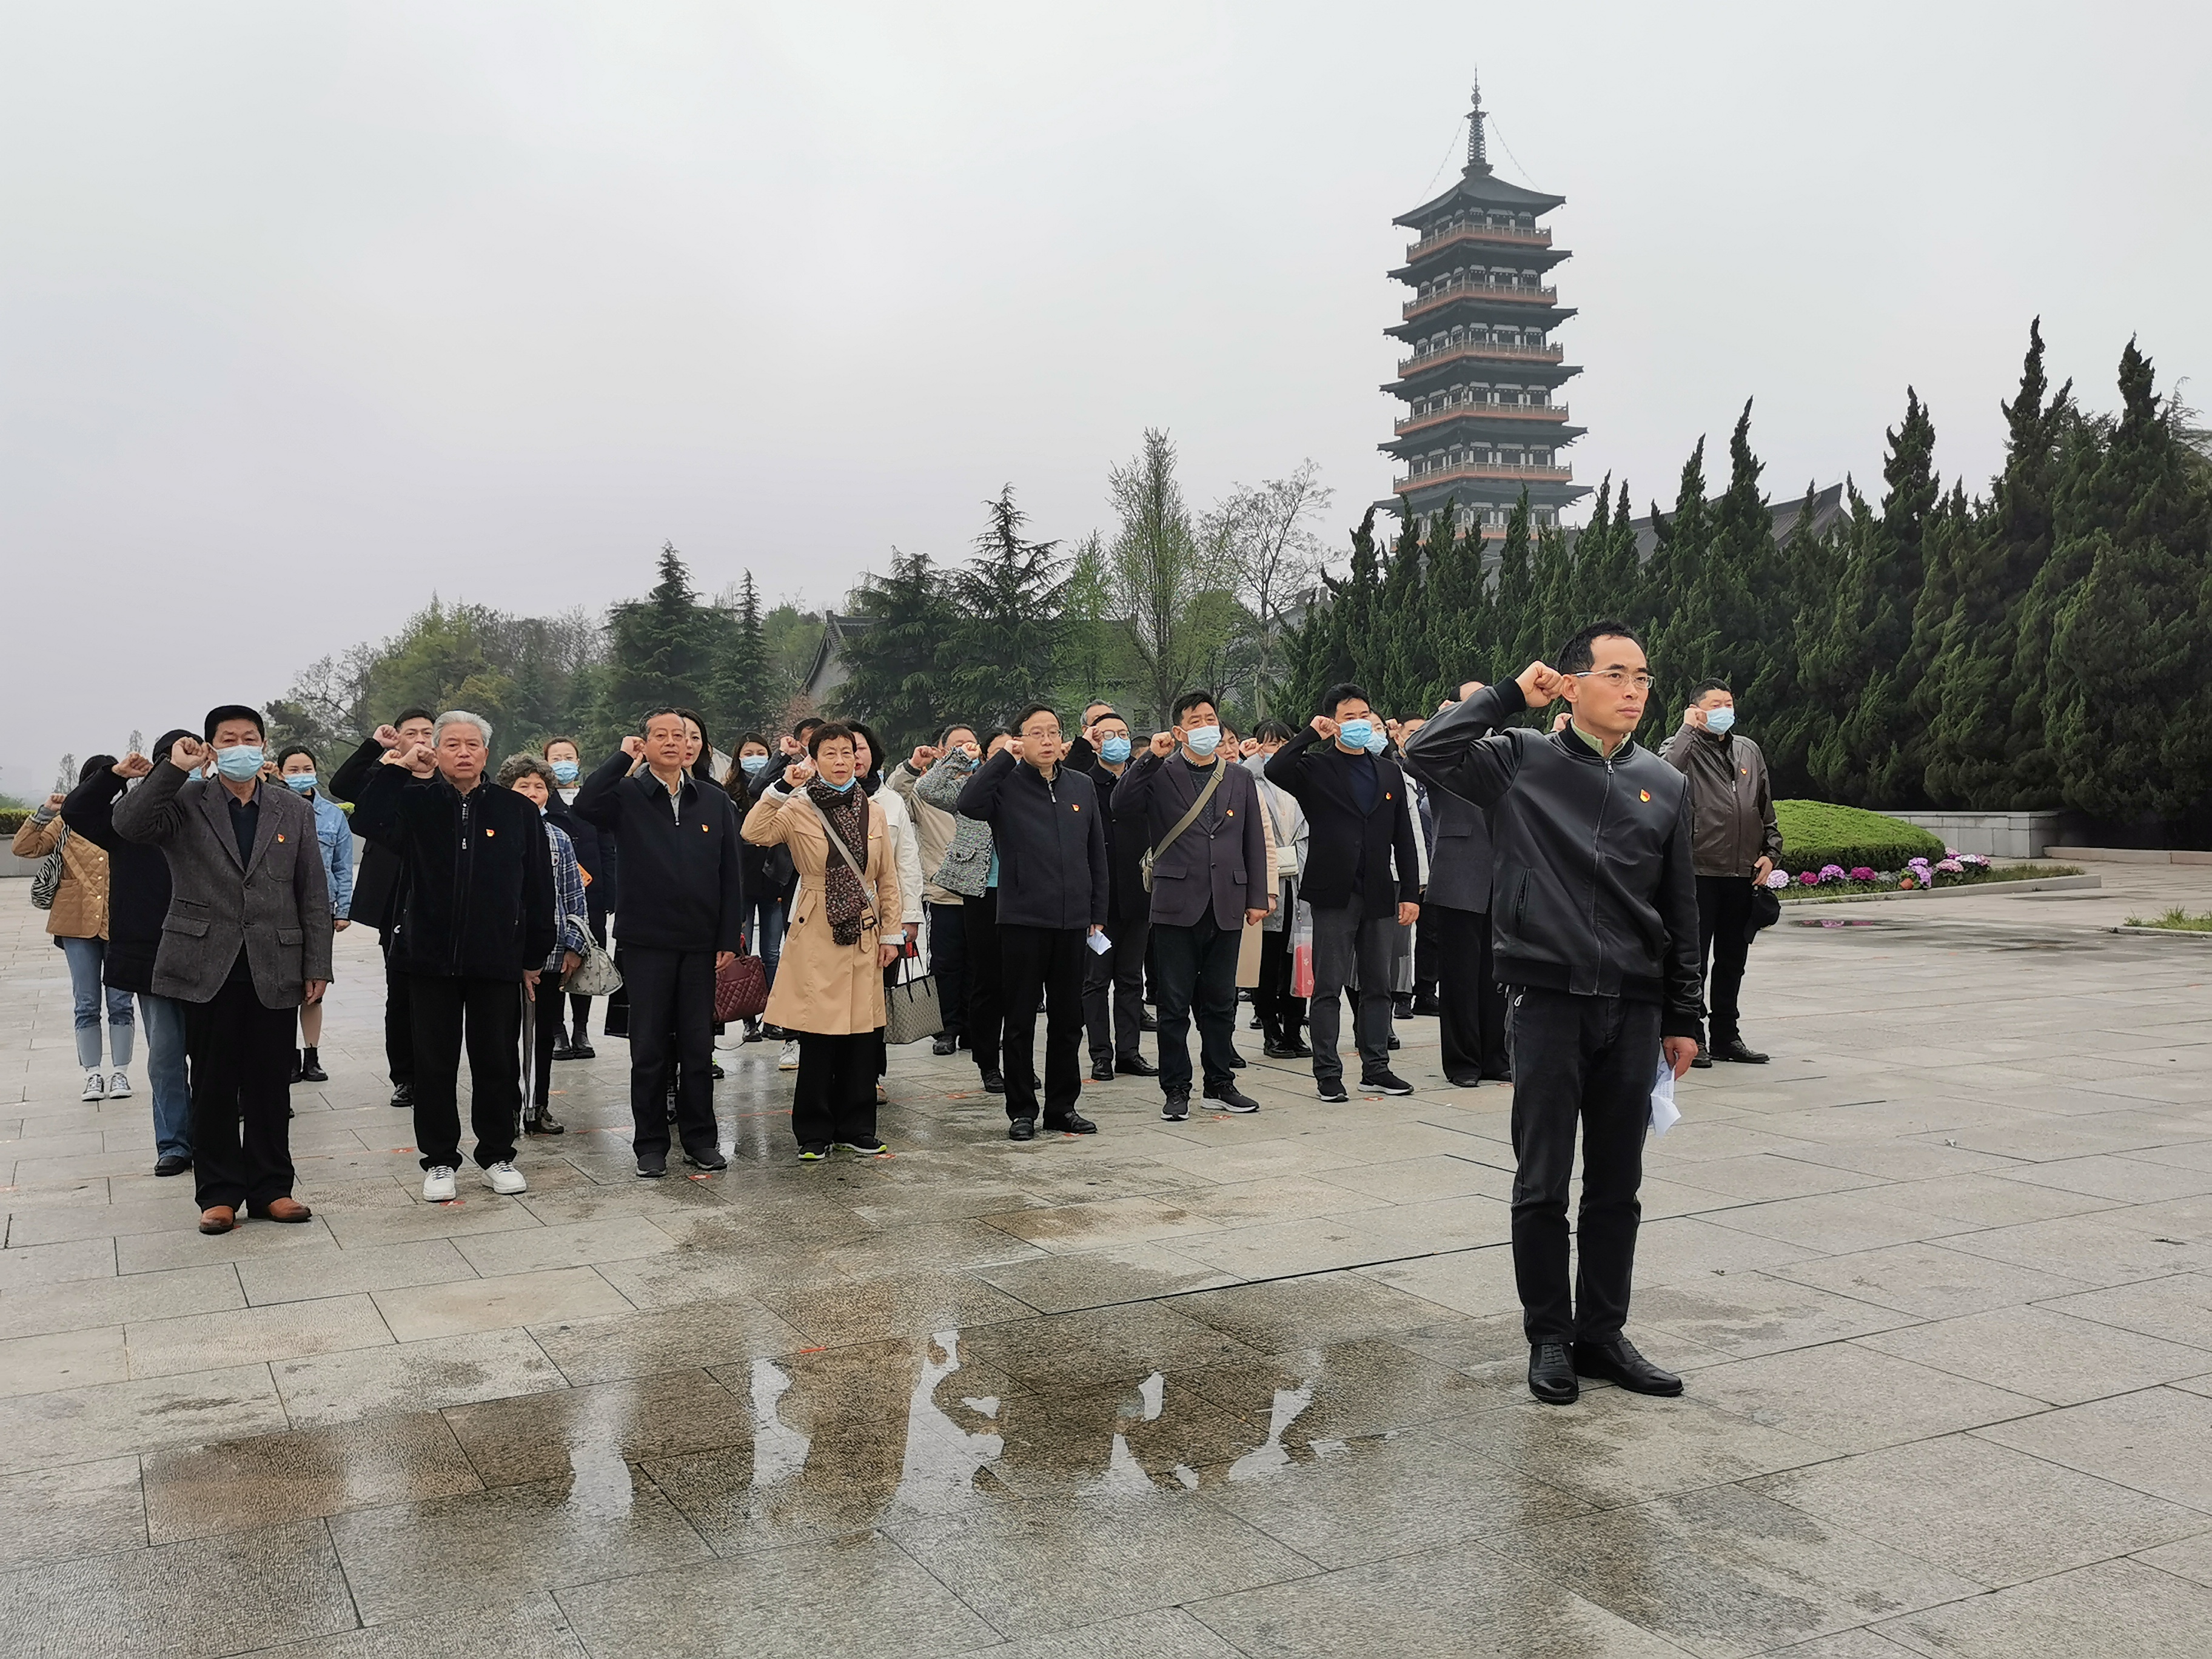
(1551, 898)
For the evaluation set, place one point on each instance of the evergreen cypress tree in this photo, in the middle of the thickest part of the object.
(1458, 623)
(2130, 652)
(1735, 617)
(1786, 713)
(1519, 625)
(897, 680)
(1392, 664)
(661, 648)
(1553, 575)
(737, 694)
(1679, 553)
(1003, 650)
(1318, 653)
(1951, 528)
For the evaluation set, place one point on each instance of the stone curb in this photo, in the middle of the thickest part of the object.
(2164, 933)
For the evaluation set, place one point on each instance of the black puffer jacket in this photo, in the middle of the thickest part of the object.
(380, 879)
(1051, 842)
(683, 884)
(1592, 889)
(478, 896)
(137, 883)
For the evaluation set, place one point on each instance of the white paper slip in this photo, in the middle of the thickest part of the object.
(1100, 943)
(1664, 1114)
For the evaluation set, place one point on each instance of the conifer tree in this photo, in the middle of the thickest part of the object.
(1785, 712)
(1318, 649)
(1678, 553)
(661, 647)
(1520, 629)
(1553, 574)
(1458, 624)
(738, 690)
(897, 666)
(1003, 648)
(1734, 615)
(1391, 664)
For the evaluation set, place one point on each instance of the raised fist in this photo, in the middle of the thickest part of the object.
(1559, 720)
(387, 736)
(413, 756)
(1539, 684)
(54, 801)
(1694, 717)
(1014, 748)
(972, 751)
(798, 774)
(1163, 743)
(1324, 727)
(922, 759)
(188, 754)
(1248, 748)
(634, 746)
(133, 766)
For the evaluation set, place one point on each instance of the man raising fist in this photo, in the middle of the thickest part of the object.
(1596, 936)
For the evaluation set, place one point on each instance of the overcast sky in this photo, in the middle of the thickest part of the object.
(309, 309)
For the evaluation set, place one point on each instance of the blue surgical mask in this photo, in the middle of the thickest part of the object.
(752, 763)
(1378, 742)
(1357, 734)
(239, 763)
(844, 788)
(1115, 749)
(1203, 739)
(1720, 721)
(566, 771)
(300, 783)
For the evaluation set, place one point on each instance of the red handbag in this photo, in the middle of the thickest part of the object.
(740, 989)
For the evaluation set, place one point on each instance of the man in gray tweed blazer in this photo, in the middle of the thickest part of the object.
(245, 942)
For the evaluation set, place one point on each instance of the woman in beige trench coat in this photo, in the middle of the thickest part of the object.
(844, 932)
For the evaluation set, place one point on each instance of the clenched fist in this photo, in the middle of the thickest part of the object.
(188, 754)
(133, 766)
(1538, 683)
(1163, 743)
(1325, 728)
(387, 736)
(634, 746)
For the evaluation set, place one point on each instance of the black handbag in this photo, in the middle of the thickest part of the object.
(1766, 911)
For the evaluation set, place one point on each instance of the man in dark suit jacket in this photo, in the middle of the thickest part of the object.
(1473, 1022)
(1207, 883)
(245, 942)
(1359, 826)
(1114, 979)
(379, 888)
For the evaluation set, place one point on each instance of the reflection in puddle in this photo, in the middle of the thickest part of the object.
(1837, 921)
(942, 1458)
(1289, 1405)
(779, 1453)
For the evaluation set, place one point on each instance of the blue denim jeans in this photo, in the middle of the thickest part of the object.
(768, 930)
(85, 957)
(166, 1073)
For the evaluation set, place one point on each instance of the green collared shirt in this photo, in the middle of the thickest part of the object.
(1601, 750)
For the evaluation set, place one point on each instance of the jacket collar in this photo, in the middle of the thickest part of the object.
(1572, 742)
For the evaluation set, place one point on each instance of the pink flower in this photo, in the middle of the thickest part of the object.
(1777, 878)
(1861, 874)
(1809, 878)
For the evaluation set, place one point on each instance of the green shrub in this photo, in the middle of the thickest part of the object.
(12, 818)
(1816, 833)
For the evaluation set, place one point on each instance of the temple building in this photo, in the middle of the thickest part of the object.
(1481, 374)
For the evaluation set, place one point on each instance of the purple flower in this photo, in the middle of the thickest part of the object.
(1861, 874)
(1777, 878)
(1952, 867)
(1808, 878)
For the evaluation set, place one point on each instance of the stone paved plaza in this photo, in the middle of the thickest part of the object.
(1941, 1278)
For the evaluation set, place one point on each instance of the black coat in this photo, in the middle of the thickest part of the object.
(380, 879)
(1594, 891)
(1343, 842)
(595, 853)
(1051, 841)
(683, 883)
(1126, 898)
(478, 899)
(1220, 863)
(137, 884)
(1459, 869)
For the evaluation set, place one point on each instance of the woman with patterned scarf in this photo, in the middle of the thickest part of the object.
(844, 931)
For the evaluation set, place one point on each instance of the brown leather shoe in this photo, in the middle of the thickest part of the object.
(218, 1219)
(285, 1209)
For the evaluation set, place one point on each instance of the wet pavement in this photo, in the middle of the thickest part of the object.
(1939, 1278)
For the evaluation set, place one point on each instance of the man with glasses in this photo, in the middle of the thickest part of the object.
(1594, 927)
(1736, 844)
(1047, 831)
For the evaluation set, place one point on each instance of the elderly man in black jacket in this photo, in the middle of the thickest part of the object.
(1051, 843)
(1362, 880)
(379, 885)
(1472, 1021)
(682, 915)
(475, 922)
(1595, 923)
(1199, 812)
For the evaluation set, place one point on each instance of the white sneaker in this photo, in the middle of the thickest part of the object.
(96, 1085)
(788, 1061)
(118, 1086)
(504, 1178)
(438, 1186)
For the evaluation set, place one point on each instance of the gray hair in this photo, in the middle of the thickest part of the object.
(459, 717)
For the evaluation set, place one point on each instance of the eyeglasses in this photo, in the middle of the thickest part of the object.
(1619, 679)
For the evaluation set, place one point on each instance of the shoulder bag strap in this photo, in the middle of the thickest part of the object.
(1191, 817)
(830, 832)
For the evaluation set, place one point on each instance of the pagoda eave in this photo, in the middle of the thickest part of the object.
(1519, 437)
(1520, 257)
(1466, 308)
(1527, 371)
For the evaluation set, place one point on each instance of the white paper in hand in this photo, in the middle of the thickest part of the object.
(1100, 943)
(1664, 1114)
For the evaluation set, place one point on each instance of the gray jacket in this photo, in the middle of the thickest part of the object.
(1218, 864)
(967, 866)
(1459, 874)
(278, 909)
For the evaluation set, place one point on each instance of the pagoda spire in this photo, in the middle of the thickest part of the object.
(1477, 156)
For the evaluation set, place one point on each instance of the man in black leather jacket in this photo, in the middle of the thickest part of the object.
(1594, 918)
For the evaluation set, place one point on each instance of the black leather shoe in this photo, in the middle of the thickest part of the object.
(1618, 1362)
(1176, 1108)
(945, 1045)
(1702, 1061)
(1229, 1098)
(1236, 1059)
(1102, 1071)
(1134, 1066)
(1291, 1050)
(402, 1096)
(715, 1071)
(1148, 1021)
(1394, 1044)
(1461, 1079)
(711, 1159)
(311, 1067)
(170, 1164)
(1734, 1048)
(540, 1121)
(994, 1083)
(581, 1050)
(1504, 1075)
(1073, 1124)
(1552, 1374)
(1022, 1128)
(561, 1048)
(1401, 1007)
(1427, 1008)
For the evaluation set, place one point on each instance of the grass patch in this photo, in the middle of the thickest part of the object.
(2176, 920)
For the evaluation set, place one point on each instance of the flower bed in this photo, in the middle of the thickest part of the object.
(1953, 869)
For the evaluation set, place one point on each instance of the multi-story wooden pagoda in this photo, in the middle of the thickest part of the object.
(1481, 376)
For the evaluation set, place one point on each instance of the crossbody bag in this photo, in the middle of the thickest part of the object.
(1152, 853)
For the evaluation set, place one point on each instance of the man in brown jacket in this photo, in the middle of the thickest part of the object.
(246, 941)
(1735, 842)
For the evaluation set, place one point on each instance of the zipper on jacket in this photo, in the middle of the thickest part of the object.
(1597, 842)
(461, 883)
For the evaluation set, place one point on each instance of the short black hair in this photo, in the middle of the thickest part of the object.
(867, 735)
(1576, 656)
(546, 747)
(407, 715)
(1106, 712)
(805, 724)
(945, 736)
(645, 721)
(1272, 731)
(755, 737)
(1337, 695)
(292, 749)
(95, 765)
(826, 732)
(232, 711)
(1022, 719)
(1703, 686)
(1190, 700)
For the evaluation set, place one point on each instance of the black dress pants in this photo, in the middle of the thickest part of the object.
(1042, 966)
(1195, 970)
(948, 963)
(672, 1026)
(547, 1032)
(834, 1099)
(1724, 944)
(1590, 1061)
(1473, 1023)
(241, 1078)
(488, 1012)
(399, 1023)
(987, 1003)
(1114, 992)
(1282, 1016)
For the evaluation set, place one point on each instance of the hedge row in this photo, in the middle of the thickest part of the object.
(12, 818)
(1816, 833)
